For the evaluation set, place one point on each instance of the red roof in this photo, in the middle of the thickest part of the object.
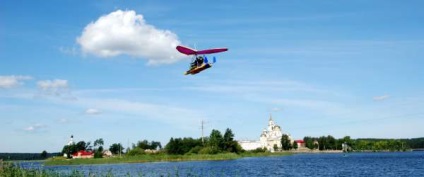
(83, 153)
(299, 141)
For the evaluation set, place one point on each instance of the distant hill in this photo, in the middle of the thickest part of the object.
(26, 156)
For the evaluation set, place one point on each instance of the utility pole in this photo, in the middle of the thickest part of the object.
(203, 141)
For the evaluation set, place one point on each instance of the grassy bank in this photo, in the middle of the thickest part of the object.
(8, 169)
(156, 158)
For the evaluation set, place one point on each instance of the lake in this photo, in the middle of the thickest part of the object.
(352, 164)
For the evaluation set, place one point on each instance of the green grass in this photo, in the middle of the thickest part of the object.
(8, 169)
(156, 158)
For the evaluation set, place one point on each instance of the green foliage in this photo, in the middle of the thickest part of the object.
(258, 150)
(98, 154)
(99, 142)
(285, 142)
(216, 140)
(209, 150)
(415, 143)
(44, 154)
(330, 143)
(116, 148)
(309, 142)
(216, 143)
(229, 144)
(73, 148)
(82, 145)
(98, 148)
(294, 145)
(379, 145)
(182, 145)
(195, 150)
(25, 156)
(136, 152)
(153, 145)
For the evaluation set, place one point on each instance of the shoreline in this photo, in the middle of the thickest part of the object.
(157, 158)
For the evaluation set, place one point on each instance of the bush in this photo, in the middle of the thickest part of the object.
(209, 150)
(136, 151)
(98, 154)
(195, 150)
(258, 150)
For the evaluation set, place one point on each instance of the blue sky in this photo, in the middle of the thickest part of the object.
(109, 69)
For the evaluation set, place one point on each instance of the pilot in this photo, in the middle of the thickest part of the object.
(197, 62)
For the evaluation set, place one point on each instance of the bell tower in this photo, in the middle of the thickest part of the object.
(271, 123)
(71, 140)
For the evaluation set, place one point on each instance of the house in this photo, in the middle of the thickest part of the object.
(107, 153)
(83, 155)
(300, 143)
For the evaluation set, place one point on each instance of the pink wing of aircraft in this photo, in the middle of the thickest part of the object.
(199, 63)
(189, 51)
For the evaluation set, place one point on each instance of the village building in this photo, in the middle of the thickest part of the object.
(83, 155)
(270, 138)
(107, 153)
(300, 143)
(71, 142)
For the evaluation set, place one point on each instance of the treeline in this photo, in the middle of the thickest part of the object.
(96, 148)
(362, 144)
(415, 143)
(215, 143)
(27, 156)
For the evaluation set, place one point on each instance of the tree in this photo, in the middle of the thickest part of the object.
(69, 150)
(285, 142)
(43, 154)
(331, 142)
(98, 148)
(309, 142)
(116, 148)
(295, 145)
(155, 145)
(229, 144)
(143, 144)
(81, 146)
(183, 146)
(216, 140)
(228, 138)
(99, 142)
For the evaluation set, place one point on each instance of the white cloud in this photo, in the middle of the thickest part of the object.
(381, 98)
(56, 87)
(12, 81)
(125, 32)
(174, 115)
(35, 128)
(275, 109)
(68, 50)
(92, 111)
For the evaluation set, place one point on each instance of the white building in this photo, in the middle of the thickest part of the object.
(270, 137)
(71, 142)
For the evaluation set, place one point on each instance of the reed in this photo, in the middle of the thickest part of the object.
(144, 158)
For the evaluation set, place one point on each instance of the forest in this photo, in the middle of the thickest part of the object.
(363, 144)
(27, 156)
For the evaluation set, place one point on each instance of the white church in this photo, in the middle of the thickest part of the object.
(270, 137)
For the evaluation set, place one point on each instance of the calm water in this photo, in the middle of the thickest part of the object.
(354, 164)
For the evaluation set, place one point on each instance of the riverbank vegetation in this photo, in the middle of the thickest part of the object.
(8, 169)
(362, 144)
(214, 147)
(27, 156)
